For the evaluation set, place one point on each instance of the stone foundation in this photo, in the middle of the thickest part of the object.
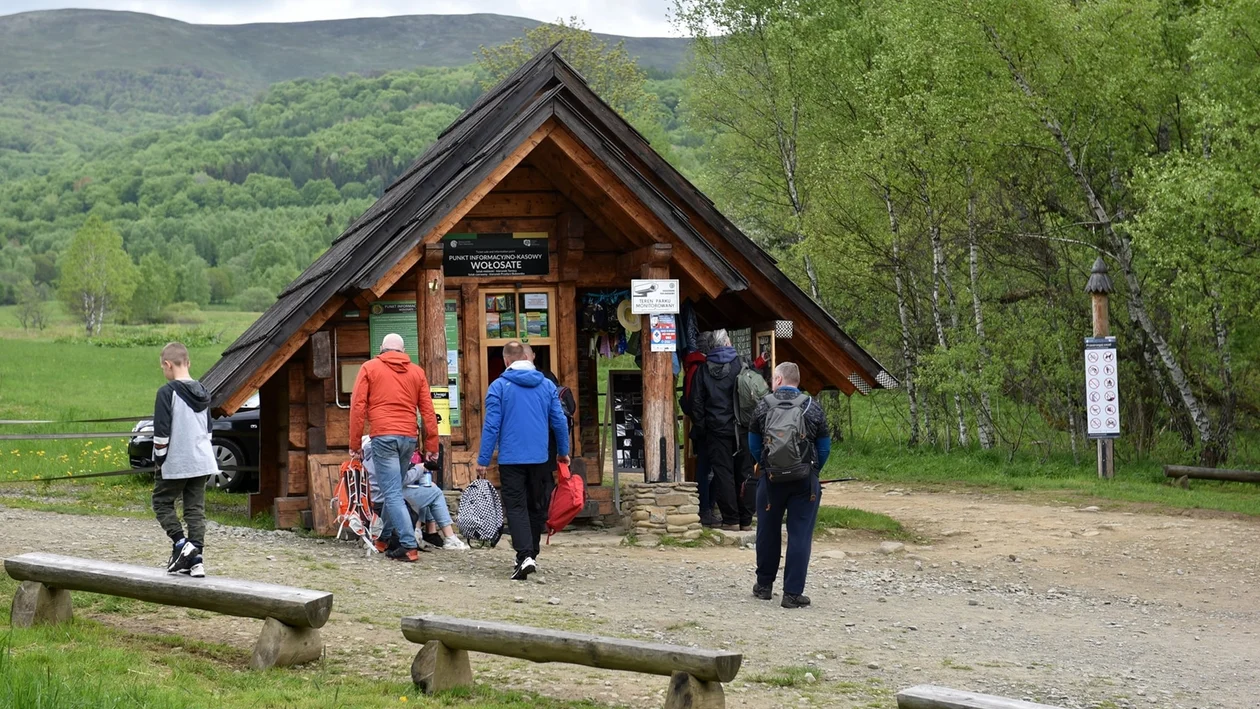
(662, 508)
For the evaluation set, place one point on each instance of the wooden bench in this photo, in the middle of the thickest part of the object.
(926, 696)
(293, 616)
(1184, 473)
(696, 675)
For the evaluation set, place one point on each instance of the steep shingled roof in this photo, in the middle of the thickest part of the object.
(543, 88)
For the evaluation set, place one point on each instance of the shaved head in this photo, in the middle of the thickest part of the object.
(787, 374)
(513, 351)
(393, 342)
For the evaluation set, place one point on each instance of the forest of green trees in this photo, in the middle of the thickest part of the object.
(943, 174)
(940, 175)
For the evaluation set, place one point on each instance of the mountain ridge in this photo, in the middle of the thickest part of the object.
(72, 42)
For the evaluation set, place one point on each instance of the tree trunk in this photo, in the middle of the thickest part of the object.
(938, 277)
(984, 416)
(812, 274)
(907, 344)
(1124, 252)
(1217, 453)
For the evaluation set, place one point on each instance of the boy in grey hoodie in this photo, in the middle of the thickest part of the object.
(184, 458)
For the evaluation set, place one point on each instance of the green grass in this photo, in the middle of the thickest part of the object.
(790, 676)
(88, 665)
(1057, 477)
(850, 518)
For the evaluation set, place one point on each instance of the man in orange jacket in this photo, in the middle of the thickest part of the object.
(387, 393)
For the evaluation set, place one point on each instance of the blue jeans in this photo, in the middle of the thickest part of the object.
(392, 455)
(799, 501)
(429, 503)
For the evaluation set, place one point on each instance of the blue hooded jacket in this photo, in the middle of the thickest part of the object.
(521, 405)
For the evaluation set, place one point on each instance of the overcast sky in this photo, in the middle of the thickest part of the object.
(641, 18)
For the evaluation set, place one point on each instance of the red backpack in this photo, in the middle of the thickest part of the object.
(567, 500)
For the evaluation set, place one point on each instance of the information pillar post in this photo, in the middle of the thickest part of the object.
(1102, 373)
(658, 396)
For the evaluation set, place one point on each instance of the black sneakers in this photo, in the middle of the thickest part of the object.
(403, 554)
(763, 592)
(182, 558)
(524, 568)
(434, 538)
(790, 601)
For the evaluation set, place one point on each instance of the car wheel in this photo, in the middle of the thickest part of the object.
(228, 455)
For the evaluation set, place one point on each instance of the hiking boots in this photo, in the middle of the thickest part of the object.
(403, 554)
(745, 527)
(763, 592)
(797, 601)
(524, 568)
(730, 528)
(182, 554)
(454, 544)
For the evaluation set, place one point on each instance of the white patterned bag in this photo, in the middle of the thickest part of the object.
(480, 513)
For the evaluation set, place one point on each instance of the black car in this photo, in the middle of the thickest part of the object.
(236, 446)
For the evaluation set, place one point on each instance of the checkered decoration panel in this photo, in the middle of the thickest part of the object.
(860, 383)
(783, 329)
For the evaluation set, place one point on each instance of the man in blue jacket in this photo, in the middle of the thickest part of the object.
(522, 407)
(788, 437)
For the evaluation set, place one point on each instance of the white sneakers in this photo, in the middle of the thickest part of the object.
(454, 544)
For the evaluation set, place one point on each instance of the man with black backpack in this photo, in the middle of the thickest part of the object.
(714, 419)
(789, 438)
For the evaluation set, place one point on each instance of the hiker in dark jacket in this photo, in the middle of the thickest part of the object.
(799, 498)
(691, 366)
(522, 407)
(713, 417)
(184, 458)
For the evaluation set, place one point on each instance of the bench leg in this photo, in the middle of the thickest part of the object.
(37, 604)
(282, 645)
(687, 692)
(438, 668)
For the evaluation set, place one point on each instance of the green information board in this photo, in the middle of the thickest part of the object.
(452, 358)
(396, 316)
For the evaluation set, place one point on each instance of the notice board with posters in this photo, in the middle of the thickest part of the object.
(1102, 390)
(625, 406)
(394, 316)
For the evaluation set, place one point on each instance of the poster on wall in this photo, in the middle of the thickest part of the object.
(395, 316)
(1102, 390)
(452, 357)
(442, 408)
(519, 254)
(664, 333)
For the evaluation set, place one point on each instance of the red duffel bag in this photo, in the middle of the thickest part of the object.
(567, 501)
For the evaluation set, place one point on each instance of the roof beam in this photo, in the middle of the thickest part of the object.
(409, 260)
(655, 254)
(594, 171)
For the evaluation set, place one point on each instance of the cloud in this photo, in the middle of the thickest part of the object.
(641, 18)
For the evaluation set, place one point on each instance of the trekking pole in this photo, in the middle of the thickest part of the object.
(836, 480)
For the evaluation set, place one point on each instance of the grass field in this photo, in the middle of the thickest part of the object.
(88, 665)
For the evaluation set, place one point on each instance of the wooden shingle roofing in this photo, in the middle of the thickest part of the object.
(544, 88)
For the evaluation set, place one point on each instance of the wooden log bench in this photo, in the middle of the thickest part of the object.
(696, 675)
(1184, 473)
(926, 696)
(293, 616)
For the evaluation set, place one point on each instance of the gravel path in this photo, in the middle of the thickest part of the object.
(1077, 608)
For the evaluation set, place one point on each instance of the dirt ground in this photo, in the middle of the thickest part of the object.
(1071, 607)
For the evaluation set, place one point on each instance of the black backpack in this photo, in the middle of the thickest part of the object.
(788, 454)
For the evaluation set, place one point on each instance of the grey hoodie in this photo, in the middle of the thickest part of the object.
(181, 431)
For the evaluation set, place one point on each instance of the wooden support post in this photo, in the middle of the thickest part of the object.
(431, 324)
(1099, 287)
(438, 668)
(658, 390)
(37, 604)
(273, 442)
(281, 645)
(687, 692)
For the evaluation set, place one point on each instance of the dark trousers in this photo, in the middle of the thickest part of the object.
(728, 474)
(526, 493)
(799, 501)
(702, 481)
(192, 491)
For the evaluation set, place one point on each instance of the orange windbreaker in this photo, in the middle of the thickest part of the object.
(387, 393)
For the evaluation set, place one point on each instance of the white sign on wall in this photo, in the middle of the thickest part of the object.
(652, 296)
(1102, 390)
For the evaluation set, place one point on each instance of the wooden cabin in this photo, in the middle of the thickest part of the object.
(536, 200)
